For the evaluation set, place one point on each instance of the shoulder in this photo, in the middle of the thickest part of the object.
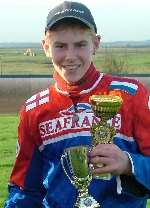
(39, 99)
(125, 84)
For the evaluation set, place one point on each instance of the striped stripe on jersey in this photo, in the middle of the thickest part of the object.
(125, 86)
(38, 99)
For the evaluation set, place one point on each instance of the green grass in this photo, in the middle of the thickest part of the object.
(123, 60)
(13, 61)
(8, 135)
(129, 60)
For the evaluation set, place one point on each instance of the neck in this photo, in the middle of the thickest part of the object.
(84, 83)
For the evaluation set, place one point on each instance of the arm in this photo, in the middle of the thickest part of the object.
(133, 169)
(26, 189)
(138, 183)
(141, 162)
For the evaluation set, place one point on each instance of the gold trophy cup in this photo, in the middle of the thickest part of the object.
(105, 107)
(75, 165)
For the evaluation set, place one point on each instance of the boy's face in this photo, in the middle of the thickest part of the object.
(71, 50)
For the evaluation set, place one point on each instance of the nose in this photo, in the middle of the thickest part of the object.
(70, 53)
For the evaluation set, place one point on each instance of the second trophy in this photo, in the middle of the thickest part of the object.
(75, 165)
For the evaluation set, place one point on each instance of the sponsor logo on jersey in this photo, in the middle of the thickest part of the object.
(80, 107)
(66, 124)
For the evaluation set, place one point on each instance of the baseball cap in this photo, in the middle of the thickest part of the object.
(69, 9)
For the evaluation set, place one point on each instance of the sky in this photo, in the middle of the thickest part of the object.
(116, 20)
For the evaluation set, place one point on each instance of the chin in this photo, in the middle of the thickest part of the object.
(72, 80)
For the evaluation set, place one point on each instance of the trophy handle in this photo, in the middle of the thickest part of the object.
(63, 166)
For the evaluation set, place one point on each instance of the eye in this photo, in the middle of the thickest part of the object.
(81, 44)
(59, 46)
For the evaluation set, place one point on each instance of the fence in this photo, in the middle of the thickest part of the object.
(14, 90)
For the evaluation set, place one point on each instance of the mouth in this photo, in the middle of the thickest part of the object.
(71, 67)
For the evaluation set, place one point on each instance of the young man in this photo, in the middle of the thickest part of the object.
(61, 117)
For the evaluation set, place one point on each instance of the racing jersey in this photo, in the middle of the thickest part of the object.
(47, 126)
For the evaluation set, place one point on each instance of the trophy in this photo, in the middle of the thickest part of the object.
(105, 107)
(75, 165)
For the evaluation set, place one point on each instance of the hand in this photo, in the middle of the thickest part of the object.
(114, 160)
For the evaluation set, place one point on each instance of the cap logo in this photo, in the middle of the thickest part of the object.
(70, 10)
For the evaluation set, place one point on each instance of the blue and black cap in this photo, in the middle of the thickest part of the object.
(72, 10)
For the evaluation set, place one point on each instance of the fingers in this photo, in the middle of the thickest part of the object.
(101, 165)
(102, 150)
(109, 158)
(104, 169)
(99, 159)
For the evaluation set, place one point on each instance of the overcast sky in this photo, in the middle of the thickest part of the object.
(24, 20)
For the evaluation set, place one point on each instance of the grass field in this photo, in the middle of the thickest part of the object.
(8, 135)
(8, 132)
(119, 60)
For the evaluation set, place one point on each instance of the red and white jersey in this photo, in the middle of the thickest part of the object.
(47, 126)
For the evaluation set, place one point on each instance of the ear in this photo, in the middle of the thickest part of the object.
(45, 47)
(97, 40)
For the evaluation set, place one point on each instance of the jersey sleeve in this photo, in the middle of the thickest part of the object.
(141, 110)
(141, 130)
(25, 187)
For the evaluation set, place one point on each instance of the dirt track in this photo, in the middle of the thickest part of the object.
(14, 91)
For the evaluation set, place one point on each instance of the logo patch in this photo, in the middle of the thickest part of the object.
(37, 100)
(66, 124)
(80, 107)
(125, 86)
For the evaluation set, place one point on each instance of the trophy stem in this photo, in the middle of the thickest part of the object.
(102, 133)
(84, 200)
(83, 193)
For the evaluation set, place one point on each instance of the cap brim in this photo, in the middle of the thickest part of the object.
(49, 26)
